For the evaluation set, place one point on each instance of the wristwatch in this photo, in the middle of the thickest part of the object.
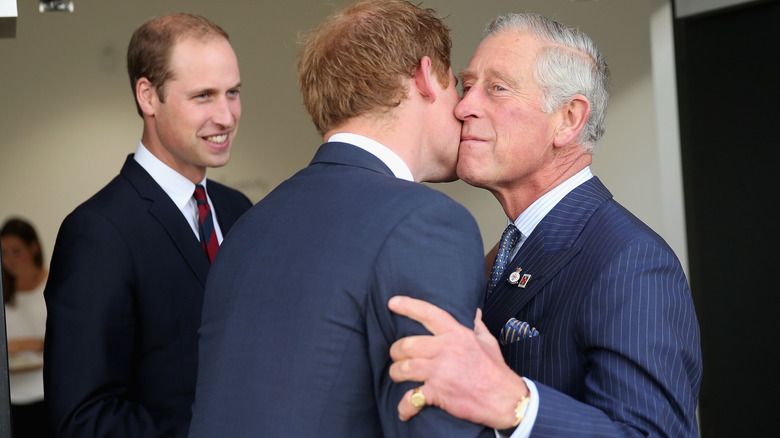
(520, 409)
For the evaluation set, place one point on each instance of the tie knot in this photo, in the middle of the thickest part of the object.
(200, 193)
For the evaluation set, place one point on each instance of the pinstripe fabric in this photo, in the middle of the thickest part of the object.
(618, 352)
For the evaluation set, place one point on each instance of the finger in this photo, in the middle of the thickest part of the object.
(406, 409)
(415, 370)
(478, 318)
(415, 346)
(487, 341)
(434, 319)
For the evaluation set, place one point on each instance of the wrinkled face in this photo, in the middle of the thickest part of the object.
(506, 138)
(18, 257)
(444, 134)
(194, 127)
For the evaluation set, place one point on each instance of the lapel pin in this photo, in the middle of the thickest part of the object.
(515, 276)
(524, 281)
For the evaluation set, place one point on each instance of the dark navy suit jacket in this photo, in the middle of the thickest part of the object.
(618, 352)
(296, 331)
(124, 299)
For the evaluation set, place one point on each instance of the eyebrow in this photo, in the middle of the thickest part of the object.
(466, 74)
(212, 90)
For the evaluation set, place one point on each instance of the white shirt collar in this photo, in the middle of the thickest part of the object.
(531, 216)
(387, 156)
(178, 188)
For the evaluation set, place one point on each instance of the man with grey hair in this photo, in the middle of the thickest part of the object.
(588, 304)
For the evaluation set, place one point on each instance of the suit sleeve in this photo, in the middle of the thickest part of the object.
(91, 335)
(638, 330)
(434, 254)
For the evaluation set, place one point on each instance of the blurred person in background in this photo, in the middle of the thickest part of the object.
(24, 278)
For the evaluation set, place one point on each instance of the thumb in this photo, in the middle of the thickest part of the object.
(486, 340)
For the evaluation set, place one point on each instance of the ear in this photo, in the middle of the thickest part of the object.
(424, 80)
(574, 116)
(146, 95)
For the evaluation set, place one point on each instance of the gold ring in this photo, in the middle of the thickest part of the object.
(418, 398)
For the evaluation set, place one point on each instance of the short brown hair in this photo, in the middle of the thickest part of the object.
(355, 60)
(150, 48)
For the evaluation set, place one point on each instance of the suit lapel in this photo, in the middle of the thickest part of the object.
(551, 245)
(508, 299)
(166, 213)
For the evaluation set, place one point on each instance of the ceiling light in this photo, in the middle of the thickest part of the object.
(55, 6)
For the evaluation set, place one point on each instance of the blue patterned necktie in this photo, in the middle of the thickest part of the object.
(508, 241)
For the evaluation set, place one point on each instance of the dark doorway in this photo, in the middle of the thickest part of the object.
(728, 64)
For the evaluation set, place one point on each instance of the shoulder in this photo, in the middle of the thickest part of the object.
(114, 198)
(418, 194)
(623, 226)
(432, 207)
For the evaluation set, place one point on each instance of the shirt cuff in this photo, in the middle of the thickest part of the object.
(523, 430)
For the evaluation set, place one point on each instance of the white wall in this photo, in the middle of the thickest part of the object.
(8, 8)
(68, 120)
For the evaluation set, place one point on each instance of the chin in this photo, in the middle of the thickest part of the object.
(218, 160)
(468, 177)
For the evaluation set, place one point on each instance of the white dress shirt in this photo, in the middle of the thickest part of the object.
(178, 188)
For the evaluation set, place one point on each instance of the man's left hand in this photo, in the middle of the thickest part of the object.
(463, 369)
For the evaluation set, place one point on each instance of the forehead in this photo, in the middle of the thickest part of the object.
(507, 53)
(11, 240)
(202, 55)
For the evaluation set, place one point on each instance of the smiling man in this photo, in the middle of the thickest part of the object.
(589, 327)
(129, 267)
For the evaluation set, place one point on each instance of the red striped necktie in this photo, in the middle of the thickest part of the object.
(208, 235)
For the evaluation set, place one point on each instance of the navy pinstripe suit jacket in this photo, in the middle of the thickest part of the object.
(618, 352)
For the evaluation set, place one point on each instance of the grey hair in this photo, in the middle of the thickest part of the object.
(570, 65)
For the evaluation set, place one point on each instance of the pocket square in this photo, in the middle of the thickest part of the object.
(515, 330)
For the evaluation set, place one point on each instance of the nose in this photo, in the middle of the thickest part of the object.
(468, 107)
(227, 111)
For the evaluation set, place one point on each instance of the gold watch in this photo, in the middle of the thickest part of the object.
(520, 408)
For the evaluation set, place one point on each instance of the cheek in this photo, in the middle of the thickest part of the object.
(183, 116)
(10, 261)
(472, 158)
